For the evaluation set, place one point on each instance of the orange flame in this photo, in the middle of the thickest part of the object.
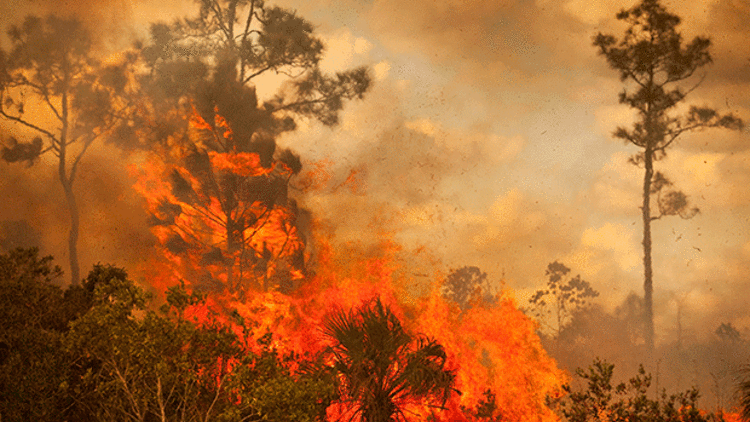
(240, 163)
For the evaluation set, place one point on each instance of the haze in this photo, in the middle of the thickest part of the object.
(485, 141)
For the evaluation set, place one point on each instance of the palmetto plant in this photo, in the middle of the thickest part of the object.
(383, 369)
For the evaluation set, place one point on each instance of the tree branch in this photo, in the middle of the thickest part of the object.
(265, 69)
(300, 104)
(74, 166)
(697, 84)
(222, 25)
(40, 89)
(51, 106)
(128, 393)
(675, 133)
(246, 32)
(160, 399)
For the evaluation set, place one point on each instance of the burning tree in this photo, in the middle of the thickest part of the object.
(226, 213)
(220, 197)
(77, 100)
(111, 356)
(653, 62)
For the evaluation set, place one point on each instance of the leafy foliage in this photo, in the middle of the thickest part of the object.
(670, 201)
(97, 352)
(31, 367)
(628, 401)
(165, 365)
(275, 392)
(743, 390)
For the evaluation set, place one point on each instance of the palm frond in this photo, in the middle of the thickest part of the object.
(381, 366)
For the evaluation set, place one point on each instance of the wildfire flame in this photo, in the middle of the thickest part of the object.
(490, 346)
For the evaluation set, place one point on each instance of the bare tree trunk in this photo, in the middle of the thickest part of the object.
(67, 184)
(75, 271)
(160, 399)
(648, 288)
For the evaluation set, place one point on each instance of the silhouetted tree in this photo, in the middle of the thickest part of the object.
(630, 314)
(725, 355)
(239, 40)
(467, 285)
(52, 70)
(653, 62)
(562, 298)
(383, 368)
(728, 333)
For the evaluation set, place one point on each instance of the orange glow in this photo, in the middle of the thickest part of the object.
(495, 347)
(317, 179)
(353, 182)
(732, 416)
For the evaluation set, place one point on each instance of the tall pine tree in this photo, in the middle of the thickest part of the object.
(656, 69)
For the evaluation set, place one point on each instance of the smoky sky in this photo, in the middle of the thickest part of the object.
(503, 112)
(485, 139)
